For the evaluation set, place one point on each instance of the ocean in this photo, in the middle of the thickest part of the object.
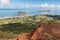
(13, 12)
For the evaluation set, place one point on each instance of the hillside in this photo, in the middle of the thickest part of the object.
(44, 31)
(54, 16)
(11, 27)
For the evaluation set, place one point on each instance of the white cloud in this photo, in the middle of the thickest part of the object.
(4, 2)
(47, 5)
(44, 5)
(58, 6)
(52, 6)
(27, 6)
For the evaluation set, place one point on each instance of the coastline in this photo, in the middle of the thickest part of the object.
(25, 16)
(14, 16)
(9, 17)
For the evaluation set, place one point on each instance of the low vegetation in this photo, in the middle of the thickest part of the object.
(10, 27)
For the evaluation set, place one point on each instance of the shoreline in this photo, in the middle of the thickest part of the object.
(10, 17)
(21, 16)
(14, 16)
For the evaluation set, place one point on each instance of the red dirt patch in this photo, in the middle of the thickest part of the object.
(42, 32)
(22, 36)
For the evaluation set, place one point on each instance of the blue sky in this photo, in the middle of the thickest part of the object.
(29, 3)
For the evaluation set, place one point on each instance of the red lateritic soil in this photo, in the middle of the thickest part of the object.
(42, 32)
(22, 36)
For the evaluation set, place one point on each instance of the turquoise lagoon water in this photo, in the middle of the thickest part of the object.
(7, 13)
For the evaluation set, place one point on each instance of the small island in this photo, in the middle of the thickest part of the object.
(46, 11)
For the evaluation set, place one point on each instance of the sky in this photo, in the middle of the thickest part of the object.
(29, 3)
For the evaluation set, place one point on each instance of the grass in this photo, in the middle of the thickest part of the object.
(15, 28)
(10, 27)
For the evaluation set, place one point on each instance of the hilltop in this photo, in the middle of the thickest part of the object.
(11, 27)
(44, 31)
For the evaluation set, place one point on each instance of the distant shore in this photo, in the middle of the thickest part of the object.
(10, 17)
(26, 15)
(13, 16)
